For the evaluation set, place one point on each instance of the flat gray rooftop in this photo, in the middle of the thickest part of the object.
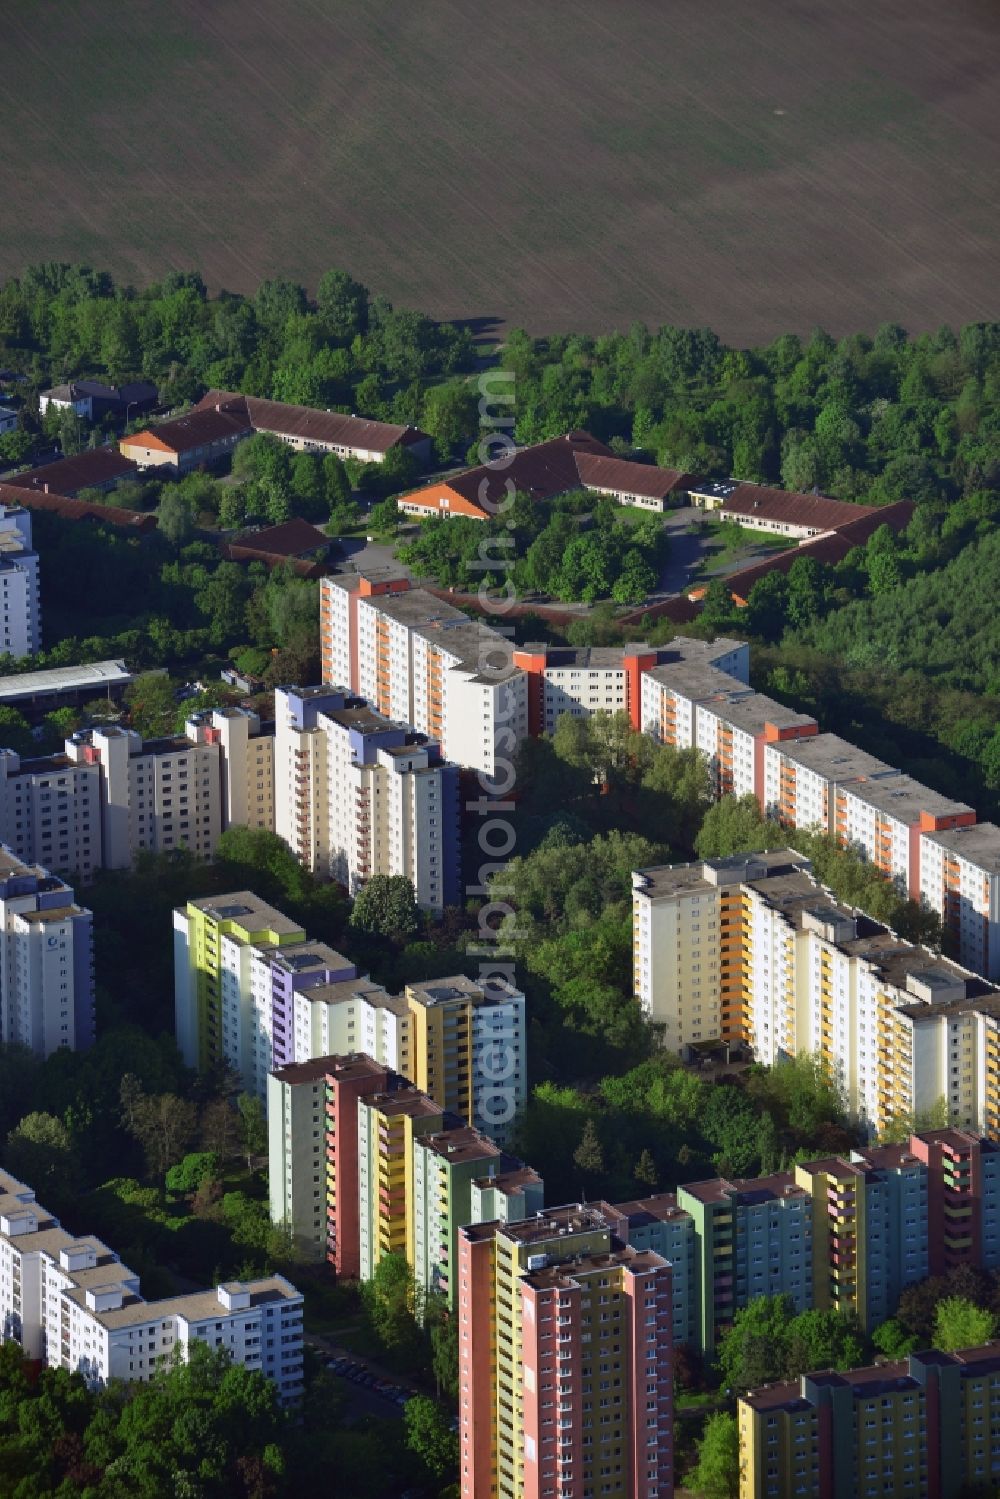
(905, 799)
(832, 757)
(980, 844)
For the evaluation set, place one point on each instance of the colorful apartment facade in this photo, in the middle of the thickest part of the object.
(565, 1361)
(362, 1163)
(751, 1239)
(389, 1124)
(753, 949)
(214, 940)
(927, 1427)
(461, 1177)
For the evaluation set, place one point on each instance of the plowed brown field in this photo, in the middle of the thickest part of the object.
(753, 166)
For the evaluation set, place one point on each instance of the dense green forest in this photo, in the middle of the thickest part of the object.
(876, 418)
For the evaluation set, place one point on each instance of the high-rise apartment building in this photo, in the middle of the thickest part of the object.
(753, 949)
(46, 961)
(690, 703)
(214, 940)
(361, 1162)
(253, 992)
(20, 600)
(613, 679)
(468, 1049)
(461, 1177)
(926, 1427)
(869, 1230)
(960, 879)
(659, 1224)
(461, 1042)
(312, 1122)
(565, 1361)
(111, 794)
(963, 1198)
(802, 780)
(358, 795)
(692, 960)
(751, 1238)
(849, 1232)
(885, 819)
(425, 663)
(388, 1126)
(70, 1303)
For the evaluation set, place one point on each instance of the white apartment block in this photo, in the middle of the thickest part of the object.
(885, 820)
(422, 661)
(425, 663)
(802, 779)
(753, 949)
(111, 794)
(689, 958)
(960, 879)
(71, 1303)
(352, 1015)
(46, 961)
(20, 601)
(672, 694)
(357, 795)
(613, 679)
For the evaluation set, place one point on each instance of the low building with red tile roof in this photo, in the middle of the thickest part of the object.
(829, 548)
(642, 484)
(201, 437)
(59, 504)
(541, 471)
(305, 428)
(296, 541)
(764, 508)
(95, 468)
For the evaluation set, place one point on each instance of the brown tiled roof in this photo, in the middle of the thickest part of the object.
(291, 539)
(619, 476)
(191, 431)
(60, 504)
(541, 471)
(680, 610)
(68, 475)
(307, 424)
(826, 549)
(276, 544)
(784, 507)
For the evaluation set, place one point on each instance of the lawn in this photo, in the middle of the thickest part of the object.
(755, 169)
(726, 546)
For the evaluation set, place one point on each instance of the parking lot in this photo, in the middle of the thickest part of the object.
(370, 1393)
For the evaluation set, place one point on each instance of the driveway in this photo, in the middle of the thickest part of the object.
(361, 553)
(685, 551)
